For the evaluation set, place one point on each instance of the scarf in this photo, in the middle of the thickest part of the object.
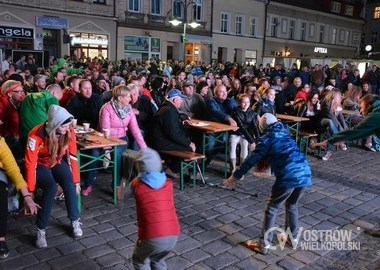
(121, 112)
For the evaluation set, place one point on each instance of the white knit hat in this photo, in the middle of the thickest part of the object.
(266, 120)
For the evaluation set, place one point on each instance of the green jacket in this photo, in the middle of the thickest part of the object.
(368, 126)
(34, 111)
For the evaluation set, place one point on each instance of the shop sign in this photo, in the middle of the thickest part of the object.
(136, 43)
(320, 50)
(16, 32)
(90, 41)
(155, 45)
(52, 22)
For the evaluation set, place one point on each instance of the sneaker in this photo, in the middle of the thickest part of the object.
(77, 231)
(370, 147)
(86, 191)
(4, 251)
(289, 243)
(41, 239)
(327, 155)
(60, 197)
(169, 172)
(257, 246)
(343, 147)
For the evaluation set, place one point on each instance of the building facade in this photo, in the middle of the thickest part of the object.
(370, 48)
(57, 28)
(311, 32)
(144, 30)
(238, 31)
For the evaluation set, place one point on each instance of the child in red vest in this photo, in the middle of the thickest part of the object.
(158, 226)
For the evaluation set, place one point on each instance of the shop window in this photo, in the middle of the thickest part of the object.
(192, 52)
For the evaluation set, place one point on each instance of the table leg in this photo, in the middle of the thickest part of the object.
(79, 197)
(226, 153)
(114, 174)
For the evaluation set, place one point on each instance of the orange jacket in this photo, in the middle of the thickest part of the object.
(37, 152)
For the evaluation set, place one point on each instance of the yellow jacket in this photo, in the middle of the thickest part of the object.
(9, 166)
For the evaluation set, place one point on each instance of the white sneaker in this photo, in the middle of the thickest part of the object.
(41, 239)
(77, 231)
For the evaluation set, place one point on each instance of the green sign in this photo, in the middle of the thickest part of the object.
(136, 43)
(155, 45)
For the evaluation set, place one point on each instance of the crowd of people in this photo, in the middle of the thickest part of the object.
(150, 105)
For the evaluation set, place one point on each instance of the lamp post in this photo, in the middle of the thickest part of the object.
(175, 22)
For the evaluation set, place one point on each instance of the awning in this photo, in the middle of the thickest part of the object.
(199, 39)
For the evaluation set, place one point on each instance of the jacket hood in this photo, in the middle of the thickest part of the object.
(153, 179)
(278, 129)
(57, 116)
(376, 106)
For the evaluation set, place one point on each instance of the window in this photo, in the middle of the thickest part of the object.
(303, 31)
(274, 27)
(253, 26)
(155, 7)
(197, 10)
(335, 7)
(134, 5)
(103, 2)
(376, 14)
(374, 37)
(349, 11)
(333, 36)
(239, 25)
(322, 34)
(224, 22)
(178, 9)
(292, 26)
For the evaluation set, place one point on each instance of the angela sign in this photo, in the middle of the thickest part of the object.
(16, 32)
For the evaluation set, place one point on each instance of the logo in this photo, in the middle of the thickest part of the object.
(313, 239)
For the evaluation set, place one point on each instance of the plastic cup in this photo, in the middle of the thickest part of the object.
(86, 126)
(106, 133)
(75, 121)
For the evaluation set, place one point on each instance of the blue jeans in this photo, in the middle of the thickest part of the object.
(276, 199)
(151, 253)
(214, 142)
(119, 161)
(91, 175)
(47, 179)
(328, 123)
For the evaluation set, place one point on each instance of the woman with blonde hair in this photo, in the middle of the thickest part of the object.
(118, 116)
(51, 158)
(332, 117)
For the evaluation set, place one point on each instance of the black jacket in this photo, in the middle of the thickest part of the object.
(168, 132)
(85, 109)
(247, 123)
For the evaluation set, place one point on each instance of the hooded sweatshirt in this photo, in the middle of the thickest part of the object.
(37, 150)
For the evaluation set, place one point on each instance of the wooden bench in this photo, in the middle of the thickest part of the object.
(304, 139)
(188, 161)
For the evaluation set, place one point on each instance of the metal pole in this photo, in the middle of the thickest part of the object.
(184, 41)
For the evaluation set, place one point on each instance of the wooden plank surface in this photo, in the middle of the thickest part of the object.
(210, 126)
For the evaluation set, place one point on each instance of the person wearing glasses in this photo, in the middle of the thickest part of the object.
(51, 158)
(12, 94)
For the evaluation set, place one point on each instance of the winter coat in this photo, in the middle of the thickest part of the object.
(219, 111)
(168, 132)
(247, 123)
(282, 153)
(108, 119)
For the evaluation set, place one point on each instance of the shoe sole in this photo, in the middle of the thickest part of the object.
(4, 256)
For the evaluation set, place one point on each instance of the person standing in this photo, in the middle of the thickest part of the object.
(51, 158)
(158, 230)
(292, 173)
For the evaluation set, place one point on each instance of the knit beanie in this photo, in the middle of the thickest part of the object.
(117, 80)
(57, 116)
(266, 120)
(148, 160)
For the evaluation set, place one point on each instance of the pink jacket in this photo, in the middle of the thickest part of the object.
(118, 127)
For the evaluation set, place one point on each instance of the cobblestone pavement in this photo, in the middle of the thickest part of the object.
(215, 222)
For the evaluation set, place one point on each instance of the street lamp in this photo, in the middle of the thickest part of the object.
(192, 24)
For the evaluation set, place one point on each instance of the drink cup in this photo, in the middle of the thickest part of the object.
(86, 126)
(292, 102)
(75, 121)
(106, 133)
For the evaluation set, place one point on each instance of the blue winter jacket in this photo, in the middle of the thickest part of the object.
(280, 150)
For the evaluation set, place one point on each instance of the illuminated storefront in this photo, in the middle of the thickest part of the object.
(89, 45)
